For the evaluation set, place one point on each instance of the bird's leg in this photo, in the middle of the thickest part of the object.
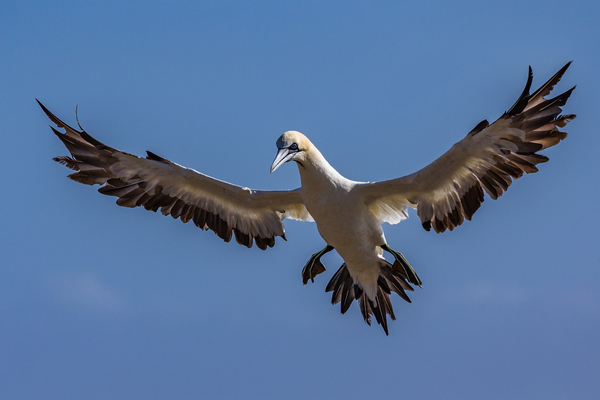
(314, 266)
(404, 265)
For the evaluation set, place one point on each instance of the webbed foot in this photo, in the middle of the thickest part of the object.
(402, 265)
(314, 266)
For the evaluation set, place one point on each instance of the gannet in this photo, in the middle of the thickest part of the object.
(348, 214)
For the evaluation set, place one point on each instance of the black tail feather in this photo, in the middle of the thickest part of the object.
(346, 290)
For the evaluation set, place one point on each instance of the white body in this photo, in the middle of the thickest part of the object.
(343, 219)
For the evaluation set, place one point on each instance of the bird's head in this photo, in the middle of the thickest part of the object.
(291, 145)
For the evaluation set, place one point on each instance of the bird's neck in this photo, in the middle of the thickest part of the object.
(316, 173)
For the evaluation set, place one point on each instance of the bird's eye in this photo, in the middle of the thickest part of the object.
(293, 146)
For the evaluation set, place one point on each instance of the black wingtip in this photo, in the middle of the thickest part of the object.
(521, 102)
(77, 117)
(48, 113)
(547, 87)
(544, 90)
(52, 117)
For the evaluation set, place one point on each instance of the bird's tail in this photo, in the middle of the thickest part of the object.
(345, 290)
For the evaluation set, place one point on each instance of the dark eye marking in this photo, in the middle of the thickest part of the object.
(293, 146)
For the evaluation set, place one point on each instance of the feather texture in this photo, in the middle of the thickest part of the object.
(449, 191)
(346, 289)
(251, 216)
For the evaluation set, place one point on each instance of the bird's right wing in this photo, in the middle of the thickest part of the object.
(155, 182)
(451, 189)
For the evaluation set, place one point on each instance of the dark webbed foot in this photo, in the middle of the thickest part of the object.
(314, 266)
(403, 266)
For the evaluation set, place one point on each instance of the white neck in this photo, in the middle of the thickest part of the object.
(317, 173)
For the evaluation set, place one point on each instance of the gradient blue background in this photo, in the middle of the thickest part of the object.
(102, 302)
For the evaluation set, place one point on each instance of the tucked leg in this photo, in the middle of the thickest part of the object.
(314, 266)
(403, 265)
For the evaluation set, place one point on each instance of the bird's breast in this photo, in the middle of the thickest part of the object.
(343, 219)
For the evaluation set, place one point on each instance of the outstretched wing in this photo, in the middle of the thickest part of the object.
(450, 190)
(155, 182)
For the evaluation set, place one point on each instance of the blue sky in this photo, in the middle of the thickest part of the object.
(102, 302)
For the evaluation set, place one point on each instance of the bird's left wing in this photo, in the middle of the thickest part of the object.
(451, 189)
(154, 182)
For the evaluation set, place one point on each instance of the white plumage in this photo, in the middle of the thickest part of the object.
(348, 214)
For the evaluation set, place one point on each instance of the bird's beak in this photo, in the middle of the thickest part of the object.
(283, 155)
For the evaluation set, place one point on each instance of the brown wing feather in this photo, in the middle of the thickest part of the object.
(489, 158)
(155, 183)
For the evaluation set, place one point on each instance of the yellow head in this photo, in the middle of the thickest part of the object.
(292, 146)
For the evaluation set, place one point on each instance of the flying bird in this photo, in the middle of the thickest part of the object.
(348, 214)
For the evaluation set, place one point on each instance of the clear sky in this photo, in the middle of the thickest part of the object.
(102, 302)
